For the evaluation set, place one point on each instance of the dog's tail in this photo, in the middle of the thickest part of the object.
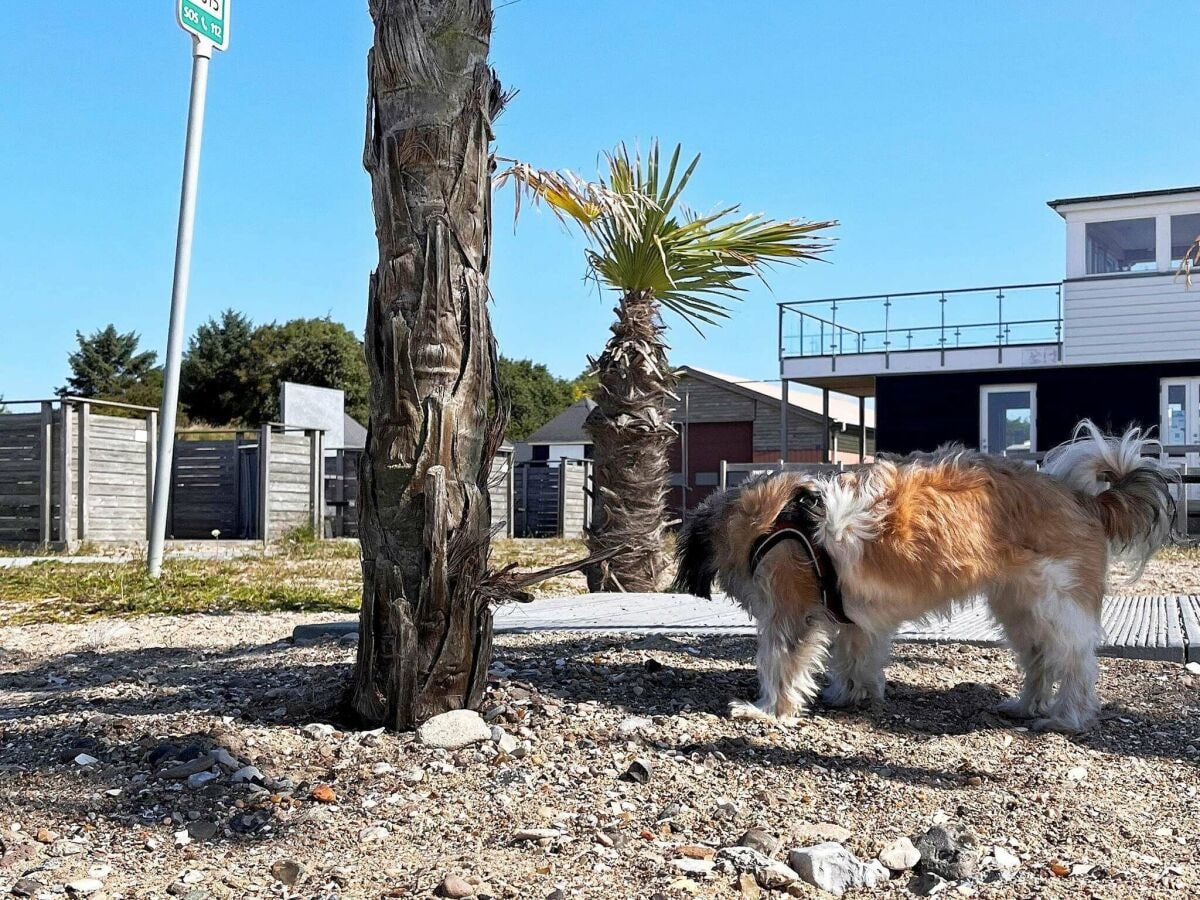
(1136, 507)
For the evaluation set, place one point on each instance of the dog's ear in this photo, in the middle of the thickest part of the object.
(695, 553)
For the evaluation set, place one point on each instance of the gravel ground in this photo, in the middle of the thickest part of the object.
(93, 718)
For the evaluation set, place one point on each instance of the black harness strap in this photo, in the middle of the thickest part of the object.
(827, 578)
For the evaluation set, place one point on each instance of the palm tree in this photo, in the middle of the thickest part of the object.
(655, 253)
(1190, 261)
(436, 413)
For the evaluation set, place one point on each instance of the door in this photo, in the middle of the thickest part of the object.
(1008, 419)
(1179, 425)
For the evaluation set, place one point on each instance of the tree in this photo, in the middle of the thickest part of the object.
(108, 365)
(212, 377)
(424, 517)
(320, 352)
(655, 254)
(585, 384)
(534, 394)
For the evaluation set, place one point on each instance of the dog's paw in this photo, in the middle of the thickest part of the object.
(1062, 725)
(744, 709)
(1016, 708)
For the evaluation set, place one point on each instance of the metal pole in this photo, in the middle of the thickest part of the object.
(683, 452)
(783, 418)
(201, 54)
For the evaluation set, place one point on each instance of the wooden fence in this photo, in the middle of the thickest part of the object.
(553, 498)
(341, 493)
(73, 472)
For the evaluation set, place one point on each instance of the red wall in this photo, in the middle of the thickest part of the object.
(708, 444)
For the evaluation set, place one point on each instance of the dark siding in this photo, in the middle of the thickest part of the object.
(920, 412)
(708, 444)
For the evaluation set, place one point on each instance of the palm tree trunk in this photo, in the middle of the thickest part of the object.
(436, 417)
(631, 433)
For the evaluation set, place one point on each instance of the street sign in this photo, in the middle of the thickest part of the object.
(206, 19)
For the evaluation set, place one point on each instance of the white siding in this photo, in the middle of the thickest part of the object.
(1130, 319)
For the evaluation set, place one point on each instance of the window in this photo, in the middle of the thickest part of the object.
(1126, 245)
(1008, 418)
(1184, 230)
(540, 451)
(707, 479)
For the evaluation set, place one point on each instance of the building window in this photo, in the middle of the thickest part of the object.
(707, 479)
(1008, 418)
(1126, 245)
(540, 452)
(1184, 231)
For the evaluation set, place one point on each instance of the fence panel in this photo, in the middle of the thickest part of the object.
(204, 489)
(114, 453)
(289, 483)
(574, 504)
(20, 477)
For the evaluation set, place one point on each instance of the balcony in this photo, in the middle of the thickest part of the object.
(826, 341)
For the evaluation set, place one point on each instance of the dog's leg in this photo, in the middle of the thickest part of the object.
(788, 655)
(1026, 631)
(1071, 655)
(856, 667)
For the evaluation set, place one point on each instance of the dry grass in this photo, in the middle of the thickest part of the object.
(298, 574)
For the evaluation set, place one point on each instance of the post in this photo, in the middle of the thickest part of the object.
(683, 457)
(862, 429)
(316, 479)
(151, 467)
(510, 499)
(201, 54)
(64, 474)
(783, 418)
(85, 465)
(724, 474)
(45, 520)
(825, 427)
(562, 497)
(264, 484)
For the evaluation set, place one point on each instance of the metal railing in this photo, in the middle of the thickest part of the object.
(1001, 316)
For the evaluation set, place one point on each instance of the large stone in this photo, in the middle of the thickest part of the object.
(833, 868)
(454, 730)
(769, 873)
(950, 850)
(900, 855)
(762, 841)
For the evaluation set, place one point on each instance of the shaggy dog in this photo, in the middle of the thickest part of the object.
(846, 560)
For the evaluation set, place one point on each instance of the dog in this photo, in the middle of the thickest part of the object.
(844, 560)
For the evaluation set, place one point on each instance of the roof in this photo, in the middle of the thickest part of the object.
(566, 427)
(354, 435)
(1132, 195)
(841, 410)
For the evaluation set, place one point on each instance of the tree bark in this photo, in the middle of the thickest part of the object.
(436, 416)
(631, 433)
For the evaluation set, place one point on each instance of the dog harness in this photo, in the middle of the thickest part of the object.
(804, 533)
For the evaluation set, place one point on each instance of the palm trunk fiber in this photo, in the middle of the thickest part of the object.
(436, 417)
(631, 433)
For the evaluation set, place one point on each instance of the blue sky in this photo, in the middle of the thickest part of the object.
(934, 132)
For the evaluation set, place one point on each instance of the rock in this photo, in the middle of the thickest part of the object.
(1077, 774)
(833, 868)
(373, 835)
(633, 725)
(182, 838)
(455, 887)
(323, 793)
(900, 855)
(287, 871)
(45, 836)
(85, 886)
(742, 859)
(415, 775)
(318, 730)
(639, 771)
(66, 848)
(200, 779)
(693, 867)
(507, 743)
(382, 768)
(188, 768)
(762, 841)
(1004, 859)
(1193, 668)
(695, 851)
(202, 830)
(454, 730)
(223, 757)
(950, 850)
(748, 887)
(776, 876)
(926, 884)
(767, 872)
(85, 759)
(819, 833)
(535, 834)
(248, 774)
(26, 887)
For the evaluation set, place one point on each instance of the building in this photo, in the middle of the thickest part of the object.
(563, 437)
(1012, 369)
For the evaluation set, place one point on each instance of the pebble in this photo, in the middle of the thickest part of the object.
(507, 743)
(382, 768)
(748, 887)
(819, 833)
(455, 886)
(200, 779)
(85, 886)
(318, 730)
(1004, 859)
(769, 873)
(833, 868)
(900, 855)
(639, 771)
(694, 867)
(949, 850)
(1077, 774)
(287, 871)
(202, 830)
(633, 725)
(762, 841)
(926, 884)
(454, 730)
(535, 834)
(26, 887)
(188, 768)
(414, 775)
(248, 774)
(323, 793)
(1193, 668)
(373, 834)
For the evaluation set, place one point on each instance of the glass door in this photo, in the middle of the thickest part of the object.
(1008, 419)
(1179, 426)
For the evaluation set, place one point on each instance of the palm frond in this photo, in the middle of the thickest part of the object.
(642, 238)
(1190, 262)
